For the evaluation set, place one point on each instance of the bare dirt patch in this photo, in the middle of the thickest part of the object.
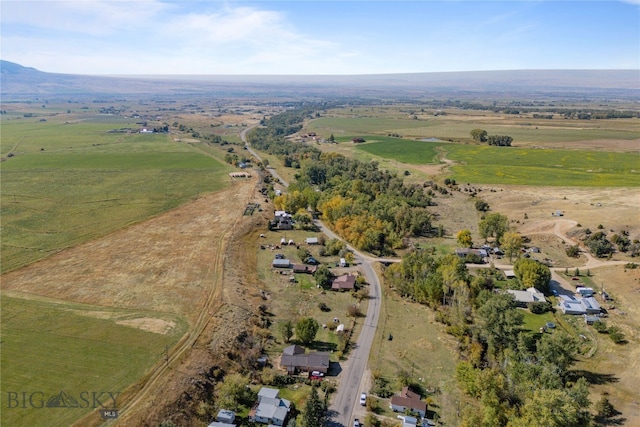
(157, 326)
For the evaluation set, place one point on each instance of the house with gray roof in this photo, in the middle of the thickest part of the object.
(270, 409)
(295, 359)
(525, 297)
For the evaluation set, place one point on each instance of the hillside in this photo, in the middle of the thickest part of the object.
(18, 80)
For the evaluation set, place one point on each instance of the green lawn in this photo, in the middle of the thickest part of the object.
(67, 184)
(49, 347)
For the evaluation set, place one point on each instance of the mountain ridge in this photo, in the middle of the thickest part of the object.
(21, 80)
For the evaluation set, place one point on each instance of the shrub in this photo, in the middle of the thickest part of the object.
(616, 335)
(539, 307)
(324, 307)
(604, 408)
(573, 251)
(601, 327)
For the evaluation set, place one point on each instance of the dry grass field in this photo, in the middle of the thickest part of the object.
(172, 263)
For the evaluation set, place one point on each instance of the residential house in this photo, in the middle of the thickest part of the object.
(282, 220)
(525, 297)
(270, 409)
(344, 282)
(295, 359)
(570, 304)
(408, 399)
(463, 252)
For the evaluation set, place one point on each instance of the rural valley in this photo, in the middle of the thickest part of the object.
(216, 252)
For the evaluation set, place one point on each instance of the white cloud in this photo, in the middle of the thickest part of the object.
(106, 37)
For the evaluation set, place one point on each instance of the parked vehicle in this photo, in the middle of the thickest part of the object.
(363, 399)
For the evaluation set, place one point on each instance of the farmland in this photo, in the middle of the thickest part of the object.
(65, 184)
(80, 202)
(49, 346)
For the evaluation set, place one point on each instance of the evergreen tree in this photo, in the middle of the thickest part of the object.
(315, 410)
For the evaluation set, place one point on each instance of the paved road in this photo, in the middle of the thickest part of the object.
(351, 376)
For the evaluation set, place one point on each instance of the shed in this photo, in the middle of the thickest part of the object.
(281, 263)
(226, 416)
(585, 292)
(220, 424)
(590, 319)
(509, 274)
(311, 240)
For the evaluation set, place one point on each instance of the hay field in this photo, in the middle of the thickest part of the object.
(67, 183)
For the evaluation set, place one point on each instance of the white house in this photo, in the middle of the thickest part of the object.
(572, 305)
(271, 409)
(408, 399)
(525, 297)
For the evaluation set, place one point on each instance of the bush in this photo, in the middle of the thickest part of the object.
(601, 327)
(616, 335)
(324, 307)
(573, 251)
(539, 307)
(381, 388)
(482, 206)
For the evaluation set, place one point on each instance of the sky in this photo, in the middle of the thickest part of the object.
(332, 37)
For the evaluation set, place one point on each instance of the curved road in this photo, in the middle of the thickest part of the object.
(352, 371)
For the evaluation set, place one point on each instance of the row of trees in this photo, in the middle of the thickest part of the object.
(481, 135)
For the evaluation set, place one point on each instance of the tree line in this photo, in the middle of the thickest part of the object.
(516, 377)
(372, 209)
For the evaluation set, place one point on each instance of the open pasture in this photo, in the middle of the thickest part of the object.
(403, 150)
(512, 165)
(343, 126)
(66, 184)
(49, 346)
(527, 166)
(456, 124)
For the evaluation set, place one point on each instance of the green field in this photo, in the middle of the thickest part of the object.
(512, 165)
(69, 183)
(402, 150)
(527, 166)
(51, 346)
(457, 125)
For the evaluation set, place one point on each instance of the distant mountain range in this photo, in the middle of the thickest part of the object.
(18, 81)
